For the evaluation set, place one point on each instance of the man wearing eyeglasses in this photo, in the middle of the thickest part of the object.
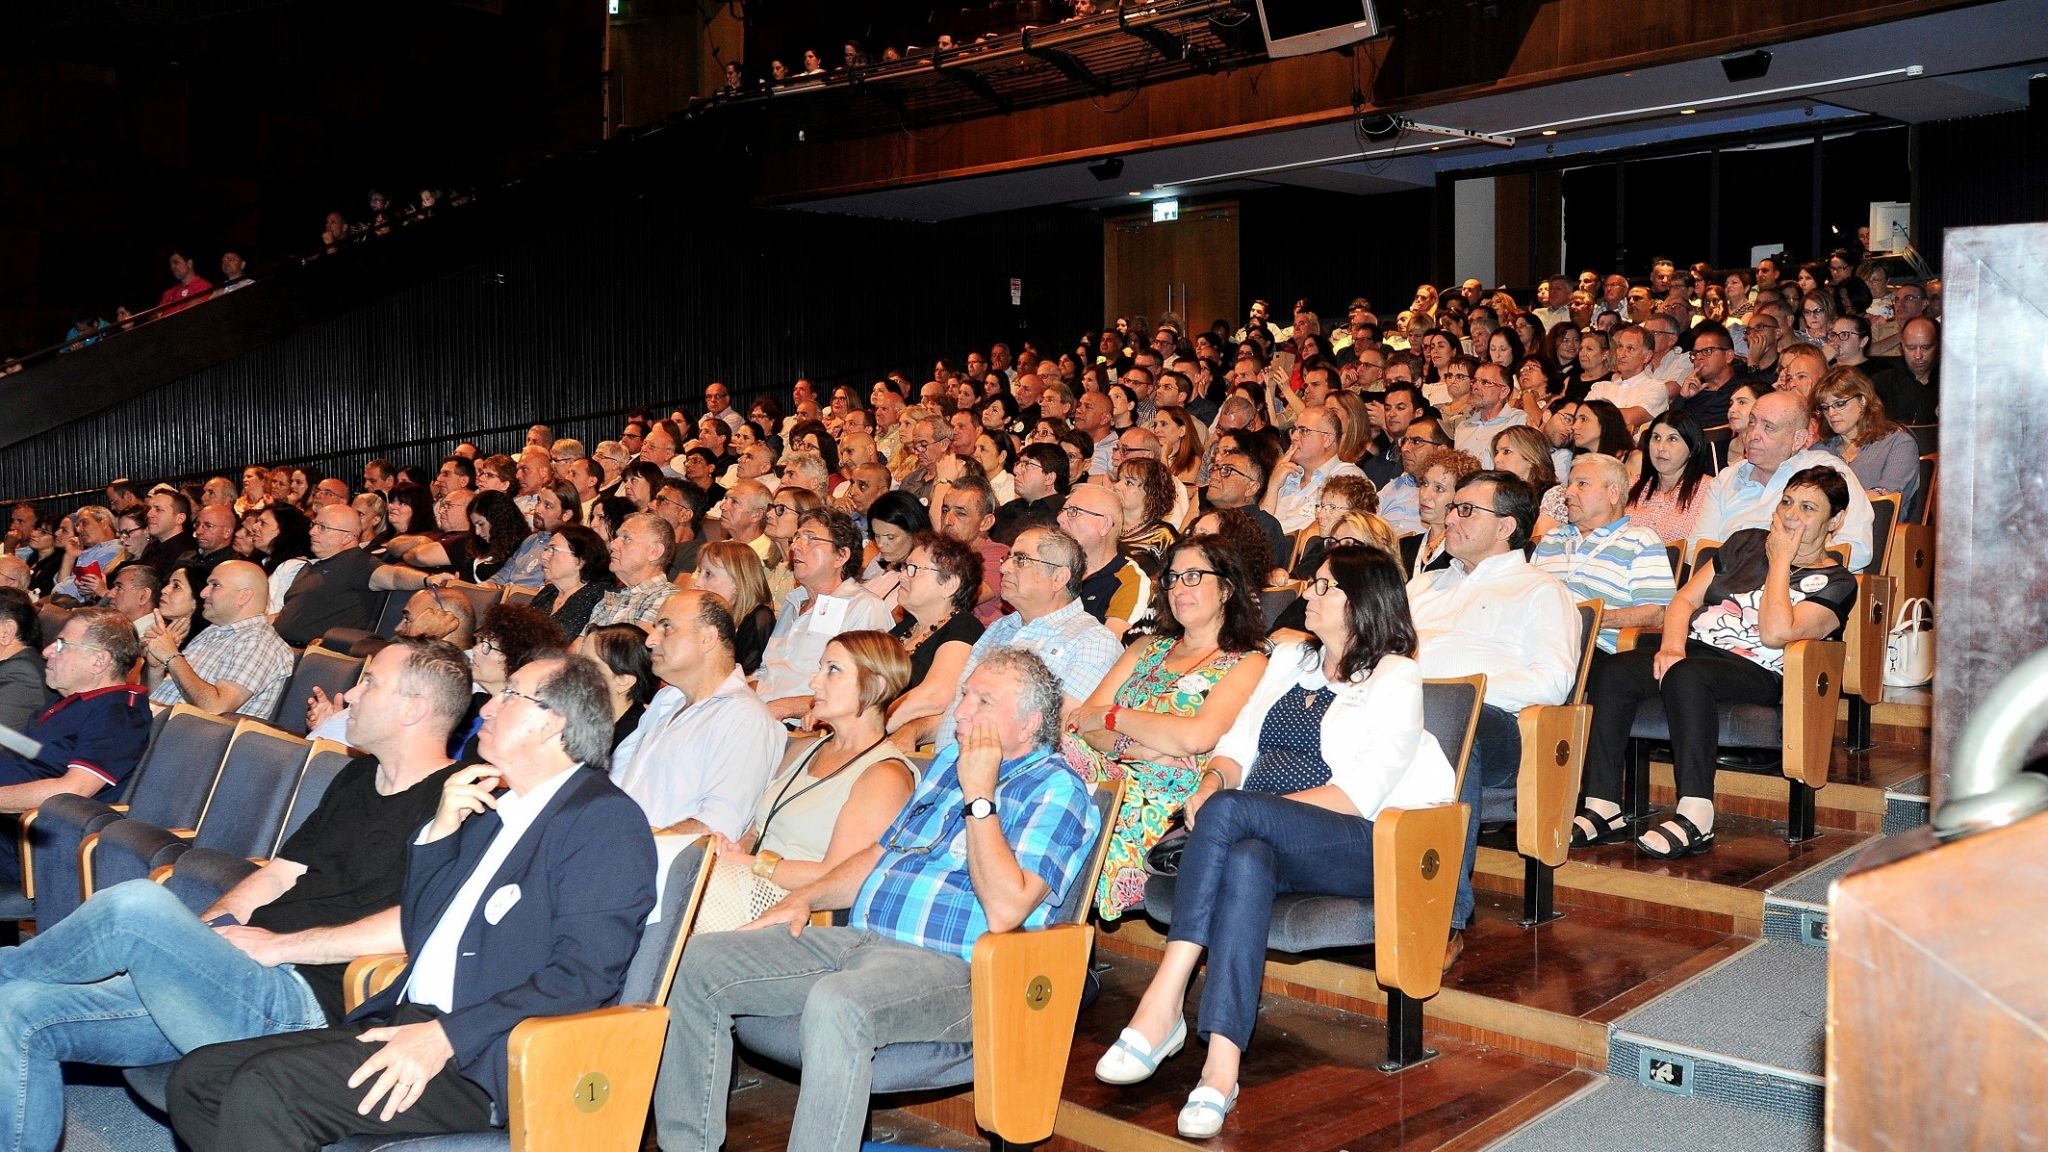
(134, 977)
(1777, 445)
(825, 557)
(1491, 612)
(525, 896)
(1908, 303)
(1703, 392)
(994, 839)
(928, 440)
(237, 665)
(1310, 462)
(1043, 484)
(341, 586)
(1115, 590)
(93, 736)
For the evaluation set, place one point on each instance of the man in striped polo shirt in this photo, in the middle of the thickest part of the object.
(1600, 555)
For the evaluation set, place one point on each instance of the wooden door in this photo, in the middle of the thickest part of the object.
(1185, 269)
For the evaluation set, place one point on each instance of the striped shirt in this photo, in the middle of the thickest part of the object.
(921, 893)
(1623, 564)
(1075, 645)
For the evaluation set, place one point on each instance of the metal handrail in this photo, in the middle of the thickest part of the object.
(1987, 786)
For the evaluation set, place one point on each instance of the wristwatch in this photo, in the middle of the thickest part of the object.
(981, 807)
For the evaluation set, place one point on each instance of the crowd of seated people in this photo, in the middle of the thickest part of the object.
(910, 614)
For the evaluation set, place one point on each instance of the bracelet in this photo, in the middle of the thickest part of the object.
(764, 864)
(1122, 746)
(1218, 774)
(1109, 717)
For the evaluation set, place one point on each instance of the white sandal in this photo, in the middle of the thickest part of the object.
(1202, 1116)
(1129, 1062)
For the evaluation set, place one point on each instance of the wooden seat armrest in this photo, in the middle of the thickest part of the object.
(121, 808)
(369, 975)
(1865, 635)
(28, 856)
(1416, 853)
(1547, 787)
(1026, 997)
(1813, 687)
(183, 833)
(1627, 639)
(585, 1080)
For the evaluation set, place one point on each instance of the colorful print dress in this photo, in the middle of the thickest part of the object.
(1156, 790)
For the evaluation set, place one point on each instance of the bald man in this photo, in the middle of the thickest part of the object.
(239, 664)
(13, 573)
(342, 586)
(1777, 445)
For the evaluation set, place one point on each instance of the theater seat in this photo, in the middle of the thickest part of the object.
(1019, 1055)
(1408, 920)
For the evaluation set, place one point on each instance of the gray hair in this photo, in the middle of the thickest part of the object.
(1061, 548)
(578, 691)
(1611, 470)
(1039, 690)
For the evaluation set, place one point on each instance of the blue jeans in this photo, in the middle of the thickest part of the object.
(1496, 763)
(1247, 848)
(131, 978)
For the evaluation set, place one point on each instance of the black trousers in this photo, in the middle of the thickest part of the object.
(1691, 691)
(290, 1092)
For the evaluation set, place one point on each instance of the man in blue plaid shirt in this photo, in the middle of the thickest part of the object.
(993, 839)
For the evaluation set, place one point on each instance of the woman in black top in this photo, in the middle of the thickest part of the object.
(733, 572)
(939, 627)
(496, 530)
(622, 649)
(1725, 635)
(577, 568)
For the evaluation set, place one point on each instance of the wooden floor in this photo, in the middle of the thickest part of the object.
(1521, 1024)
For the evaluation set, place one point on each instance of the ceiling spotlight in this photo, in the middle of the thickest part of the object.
(1746, 66)
(1107, 169)
(1687, 111)
(1550, 131)
(1134, 192)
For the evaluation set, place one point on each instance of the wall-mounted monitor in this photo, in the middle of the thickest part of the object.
(1298, 27)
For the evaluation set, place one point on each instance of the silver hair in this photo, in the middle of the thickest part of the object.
(1611, 470)
(1039, 690)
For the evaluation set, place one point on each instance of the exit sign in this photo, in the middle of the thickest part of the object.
(1165, 210)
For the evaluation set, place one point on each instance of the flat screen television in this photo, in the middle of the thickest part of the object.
(1298, 27)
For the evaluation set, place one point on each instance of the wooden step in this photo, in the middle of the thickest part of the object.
(1722, 890)
(1302, 1058)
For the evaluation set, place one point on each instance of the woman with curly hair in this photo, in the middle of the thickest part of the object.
(1145, 490)
(1158, 713)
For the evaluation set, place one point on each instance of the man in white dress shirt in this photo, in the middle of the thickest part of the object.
(706, 745)
(1776, 447)
(1637, 393)
(1491, 612)
(825, 556)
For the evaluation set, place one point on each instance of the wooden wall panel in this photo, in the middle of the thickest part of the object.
(1465, 52)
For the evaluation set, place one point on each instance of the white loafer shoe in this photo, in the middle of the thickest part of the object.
(1128, 1061)
(1202, 1116)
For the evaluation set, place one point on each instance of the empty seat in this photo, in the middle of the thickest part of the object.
(332, 672)
(169, 788)
(243, 812)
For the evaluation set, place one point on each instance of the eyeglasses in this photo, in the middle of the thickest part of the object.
(1191, 577)
(556, 550)
(1849, 335)
(780, 509)
(668, 500)
(1464, 509)
(486, 647)
(920, 446)
(131, 531)
(811, 539)
(1228, 470)
(1708, 351)
(1020, 557)
(1326, 506)
(1420, 442)
(510, 693)
(61, 645)
(319, 527)
(910, 818)
(1838, 405)
(1078, 510)
(1321, 585)
(1298, 429)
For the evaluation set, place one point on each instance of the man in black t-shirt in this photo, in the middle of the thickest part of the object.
(133, 978)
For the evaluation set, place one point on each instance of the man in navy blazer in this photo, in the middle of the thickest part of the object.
(525, 901)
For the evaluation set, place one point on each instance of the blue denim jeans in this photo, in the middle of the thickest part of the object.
(855, 991)
(131, 978)
(1496, 763)
(1247, 848)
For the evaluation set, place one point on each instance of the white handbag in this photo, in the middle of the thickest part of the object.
(1909, 650)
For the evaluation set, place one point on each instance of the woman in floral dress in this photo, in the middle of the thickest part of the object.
(1161, 709)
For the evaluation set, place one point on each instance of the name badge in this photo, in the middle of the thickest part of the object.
(829, 614)
(500, 903)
